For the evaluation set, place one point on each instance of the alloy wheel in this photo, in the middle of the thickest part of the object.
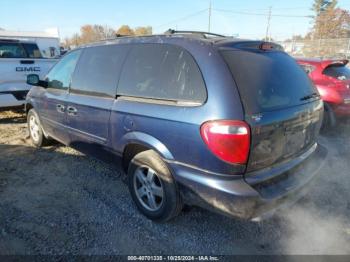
(34, 128)
(148, 188)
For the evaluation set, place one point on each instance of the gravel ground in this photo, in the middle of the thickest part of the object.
(58, 201)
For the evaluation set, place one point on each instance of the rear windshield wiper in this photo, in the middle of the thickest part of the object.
(313, 95)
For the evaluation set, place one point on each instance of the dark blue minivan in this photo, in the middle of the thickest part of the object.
(193, 118)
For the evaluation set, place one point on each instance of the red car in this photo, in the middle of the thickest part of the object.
(332, 79)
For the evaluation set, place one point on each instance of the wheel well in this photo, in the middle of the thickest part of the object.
(28, 107)
(130, 151)
(330, 114)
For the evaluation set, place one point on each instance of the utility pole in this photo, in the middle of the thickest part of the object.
(268, 24)
(209, 18)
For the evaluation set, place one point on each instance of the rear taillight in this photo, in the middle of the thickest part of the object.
(227, 139)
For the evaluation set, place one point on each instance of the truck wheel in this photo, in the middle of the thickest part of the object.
(35, 130)
(329, 120)
(153, 188)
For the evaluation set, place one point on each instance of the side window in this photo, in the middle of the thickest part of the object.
(308, 68)
(12, 50)
(60, 75)
(162, 71)
(98, 70)
(32, 50)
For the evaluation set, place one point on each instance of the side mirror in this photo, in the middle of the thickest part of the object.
(34, 80)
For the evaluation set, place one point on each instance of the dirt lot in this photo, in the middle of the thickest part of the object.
(58, 201)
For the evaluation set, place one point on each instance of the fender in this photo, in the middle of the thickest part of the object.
(329, 94)
(30, 102)
(146, 140)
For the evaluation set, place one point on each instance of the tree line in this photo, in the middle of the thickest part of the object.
(329, 22)
(330, 25)
(94, 33)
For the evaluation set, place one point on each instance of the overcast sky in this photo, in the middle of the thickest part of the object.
(246, 19)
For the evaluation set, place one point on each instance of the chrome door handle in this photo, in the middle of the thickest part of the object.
(60, 108)
(72, 111)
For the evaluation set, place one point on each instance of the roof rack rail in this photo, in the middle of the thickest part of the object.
(203, 34)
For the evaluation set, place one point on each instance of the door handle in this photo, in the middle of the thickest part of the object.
(27, 62)
(60, 108)
(72, 111)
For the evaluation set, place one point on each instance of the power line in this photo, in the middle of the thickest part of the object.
(290, 8)
(260, 14)
(267, 9)
(183, 18)
(210, 9)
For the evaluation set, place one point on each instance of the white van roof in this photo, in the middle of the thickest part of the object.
(29, 34)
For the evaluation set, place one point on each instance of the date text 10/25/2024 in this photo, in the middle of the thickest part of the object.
(173, 258)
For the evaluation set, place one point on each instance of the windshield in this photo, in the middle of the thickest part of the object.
(269, 81)
(338, 71)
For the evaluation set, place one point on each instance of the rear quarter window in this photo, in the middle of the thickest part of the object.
(164, 72)
(269, 80)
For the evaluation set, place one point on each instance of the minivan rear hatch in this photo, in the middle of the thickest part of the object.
(281, 104)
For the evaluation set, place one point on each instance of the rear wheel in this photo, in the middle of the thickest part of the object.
(329, 119)
(35, 130)
(153, 188)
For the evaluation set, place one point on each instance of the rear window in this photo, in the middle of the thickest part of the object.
(268, 81)
(164, 72)
(338, 71)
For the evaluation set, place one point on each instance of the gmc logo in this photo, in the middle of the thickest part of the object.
(27, 69)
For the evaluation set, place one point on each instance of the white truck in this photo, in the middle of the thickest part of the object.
(19, 58)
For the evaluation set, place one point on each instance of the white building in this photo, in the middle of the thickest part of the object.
(47, 41)
(293, 47)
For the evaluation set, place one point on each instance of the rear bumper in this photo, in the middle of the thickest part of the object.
(11, 99)
(342, 110)
(254, 196)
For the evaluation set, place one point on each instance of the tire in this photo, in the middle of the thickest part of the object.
(156, 196)
(329, 119)
(35, 129)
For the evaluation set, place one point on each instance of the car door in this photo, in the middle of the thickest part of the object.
(92, 94)
(53, 103)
